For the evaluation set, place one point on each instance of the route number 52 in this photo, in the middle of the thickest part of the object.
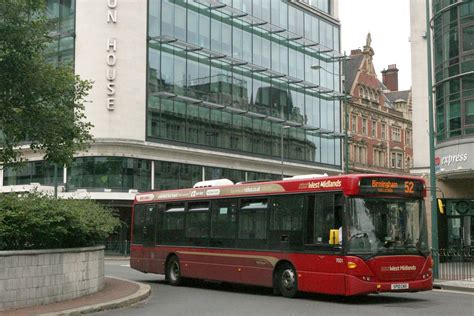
(409, 187)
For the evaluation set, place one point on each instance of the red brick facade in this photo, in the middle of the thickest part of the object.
(379, 120)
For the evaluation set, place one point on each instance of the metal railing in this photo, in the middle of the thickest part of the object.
(455, 264)
(115, 247)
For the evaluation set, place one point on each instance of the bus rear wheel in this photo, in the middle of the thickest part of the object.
(173, 271)
(287, 281)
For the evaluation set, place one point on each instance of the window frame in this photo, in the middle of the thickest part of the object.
(373, 128)
(396, 133)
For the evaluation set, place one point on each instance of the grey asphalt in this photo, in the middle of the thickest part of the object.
(206, 298)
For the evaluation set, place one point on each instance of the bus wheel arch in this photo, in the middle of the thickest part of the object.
(173, 270)
(285, 279)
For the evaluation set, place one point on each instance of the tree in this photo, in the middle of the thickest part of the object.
(36, 221)
(41, 105)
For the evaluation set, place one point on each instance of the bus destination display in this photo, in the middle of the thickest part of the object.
(391, 186)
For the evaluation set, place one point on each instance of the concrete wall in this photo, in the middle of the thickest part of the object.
(111, 50)
(419, 79)
(35, 277)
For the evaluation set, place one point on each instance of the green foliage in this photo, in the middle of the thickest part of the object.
(36, 221)
(39, 102)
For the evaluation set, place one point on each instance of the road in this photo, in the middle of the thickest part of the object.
(206, 298)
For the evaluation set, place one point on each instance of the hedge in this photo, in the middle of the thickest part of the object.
(38, 221)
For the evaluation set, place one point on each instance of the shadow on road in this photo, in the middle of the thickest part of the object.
(372, 299)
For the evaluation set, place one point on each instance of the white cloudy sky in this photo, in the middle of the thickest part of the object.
(388, 22)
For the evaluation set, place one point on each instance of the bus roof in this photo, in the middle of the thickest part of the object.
(349, 185)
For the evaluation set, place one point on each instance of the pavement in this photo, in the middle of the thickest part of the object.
(118, 293)
(466, 285)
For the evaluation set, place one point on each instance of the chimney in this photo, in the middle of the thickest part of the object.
(390, 77)
(356, 52)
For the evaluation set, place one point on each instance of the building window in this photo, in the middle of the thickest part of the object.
(376, 157)
(454, 119)
(409, 139)
(360, 154)
(382, 131)
(354, 123)
(397, 160)
(379, 158)
(468, 38)
(364, 126)
(469, 112)
(373, 129)
(396, 134)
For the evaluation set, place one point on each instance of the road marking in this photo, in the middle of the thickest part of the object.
(125, 265)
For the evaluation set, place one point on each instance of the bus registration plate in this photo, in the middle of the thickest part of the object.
(399, 286)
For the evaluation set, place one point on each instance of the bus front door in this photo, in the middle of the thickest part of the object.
(149, 239)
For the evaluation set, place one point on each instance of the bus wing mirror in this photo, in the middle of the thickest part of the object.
(441, 206)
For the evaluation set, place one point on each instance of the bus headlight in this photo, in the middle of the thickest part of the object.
(351, 265)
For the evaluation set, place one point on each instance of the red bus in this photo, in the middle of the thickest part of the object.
(341, 235)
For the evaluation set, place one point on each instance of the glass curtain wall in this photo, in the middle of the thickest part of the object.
(186, 50)
(32, 172)
(114, 173)
(120, 174)
(62, 15)
(453, 47)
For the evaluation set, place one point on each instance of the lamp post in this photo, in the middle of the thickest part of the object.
(281, 147)
(434, 210)
(346, 99)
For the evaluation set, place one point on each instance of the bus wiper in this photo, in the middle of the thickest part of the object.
(359, 235)
(418, 249)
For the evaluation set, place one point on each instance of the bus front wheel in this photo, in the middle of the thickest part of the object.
(173, 271)
(287, 280)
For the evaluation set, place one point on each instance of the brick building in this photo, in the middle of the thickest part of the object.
(379, 117)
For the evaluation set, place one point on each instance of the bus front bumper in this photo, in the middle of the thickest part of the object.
(356, 286)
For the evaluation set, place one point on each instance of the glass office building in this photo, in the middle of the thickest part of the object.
(452, 92)
(453, 43)
(245, 76)
(254, 80)
(453, 72)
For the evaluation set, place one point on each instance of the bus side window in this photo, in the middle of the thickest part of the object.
(309, 227)
(253, 223)
(339, 202)
(173, 223)
(286, 221)
(160, 209)
(223, 223)
(138, 224)
(197, 223)
(324, 217)
(149, 224)
(321, 218)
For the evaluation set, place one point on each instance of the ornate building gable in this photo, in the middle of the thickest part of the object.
(379, 120)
